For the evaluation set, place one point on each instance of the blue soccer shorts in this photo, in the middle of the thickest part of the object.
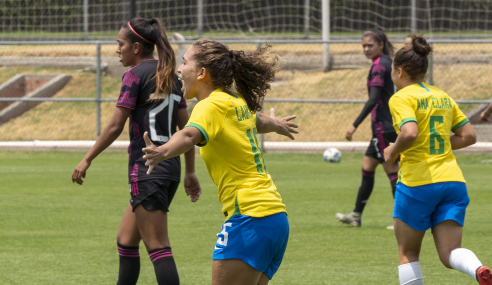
(426, 206)
(260, 242)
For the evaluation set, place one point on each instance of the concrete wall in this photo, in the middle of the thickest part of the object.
(29, 86)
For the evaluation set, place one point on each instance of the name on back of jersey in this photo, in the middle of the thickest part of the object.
(437, 103)
(243, 113)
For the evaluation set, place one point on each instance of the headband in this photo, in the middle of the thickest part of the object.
(130, 26)
(371, 32)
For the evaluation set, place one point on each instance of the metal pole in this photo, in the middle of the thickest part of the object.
(200, 18)
(413, 24)
(430, 70)
(98, 91)
(306, 19)
(133, 9)
(325, 8)
(86, 21)
(258, 45)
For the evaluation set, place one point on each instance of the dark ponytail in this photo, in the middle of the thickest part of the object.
(380, 37)
(150, 32)
(413, 60)
(250, 74)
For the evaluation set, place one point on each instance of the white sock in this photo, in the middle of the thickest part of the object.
(410, 274)
(464, 260)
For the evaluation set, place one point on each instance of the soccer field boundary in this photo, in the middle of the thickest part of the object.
(268, 146)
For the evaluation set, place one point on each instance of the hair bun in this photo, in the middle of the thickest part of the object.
(420, 45)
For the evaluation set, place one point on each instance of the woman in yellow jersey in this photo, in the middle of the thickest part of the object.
(431, 190)
(225, 125)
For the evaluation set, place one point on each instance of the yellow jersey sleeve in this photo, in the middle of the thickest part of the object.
(459, 119)
(208, 116)
(402, 111)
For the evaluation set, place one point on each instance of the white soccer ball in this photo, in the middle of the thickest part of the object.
(332, 155)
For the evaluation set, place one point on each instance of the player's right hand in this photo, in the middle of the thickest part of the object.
(484, 118)
(79, 172)
(350, 133)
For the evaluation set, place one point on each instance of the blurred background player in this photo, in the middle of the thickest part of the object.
(379, 49)
(225, 125)
(151, 97)
(431, 190)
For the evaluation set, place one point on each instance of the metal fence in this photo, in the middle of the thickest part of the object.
(326, 103)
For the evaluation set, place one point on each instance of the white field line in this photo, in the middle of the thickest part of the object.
(269, 146)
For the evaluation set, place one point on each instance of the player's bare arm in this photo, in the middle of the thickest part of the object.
(191, 183)
(180, 143)
(108, 136)
(281, 126)
(407, 137)
(463, 136)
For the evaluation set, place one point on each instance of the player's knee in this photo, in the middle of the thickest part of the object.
(444, 256)
(152, 243)
(409, 255)
(445, 261)
(127, 241)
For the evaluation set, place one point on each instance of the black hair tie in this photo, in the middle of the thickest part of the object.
(151, 21)
(231, 55)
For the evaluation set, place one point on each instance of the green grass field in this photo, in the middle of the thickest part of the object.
(56, 232)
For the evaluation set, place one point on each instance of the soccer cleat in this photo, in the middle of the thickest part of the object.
(351, 218)
(484, 275)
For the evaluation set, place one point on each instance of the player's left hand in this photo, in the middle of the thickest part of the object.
(388, 154)
(192, 186)
(286, 128)
(151, 153)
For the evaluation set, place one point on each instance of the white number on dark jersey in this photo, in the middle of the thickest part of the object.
(169, 101)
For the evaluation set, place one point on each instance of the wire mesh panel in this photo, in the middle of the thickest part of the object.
(57, 19)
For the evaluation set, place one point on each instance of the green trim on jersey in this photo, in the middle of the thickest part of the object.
(406, 121)
(259, 148)
(237, 212)
(460, 124)
(254, 149)
(204, 133)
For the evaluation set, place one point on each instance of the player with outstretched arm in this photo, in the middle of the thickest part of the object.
(379, 49)
(151, 97)
(431, 190)
(225, 124)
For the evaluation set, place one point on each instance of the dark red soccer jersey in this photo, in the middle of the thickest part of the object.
(380, 75)
(157, 117)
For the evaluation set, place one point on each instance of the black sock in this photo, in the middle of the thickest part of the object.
(129, 265)
(393, 177)
(365, 191)
(164, 266)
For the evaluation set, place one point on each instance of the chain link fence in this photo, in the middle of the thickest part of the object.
(326, 103)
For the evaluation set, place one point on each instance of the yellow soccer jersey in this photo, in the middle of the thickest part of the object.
(233, 156)
(430, 159)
